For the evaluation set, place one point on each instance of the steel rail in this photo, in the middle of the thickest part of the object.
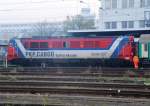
(67, 78)
(16, 104)
(84, 91)
(74, 84)
(76, 74)
(72, 69)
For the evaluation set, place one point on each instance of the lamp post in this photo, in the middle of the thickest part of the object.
(101, 15)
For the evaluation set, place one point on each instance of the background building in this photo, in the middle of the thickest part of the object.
(124, 15)
(87, 14)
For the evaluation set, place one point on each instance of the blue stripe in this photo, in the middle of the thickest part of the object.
(120, 47)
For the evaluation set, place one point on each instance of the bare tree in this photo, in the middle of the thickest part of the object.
(78, 23)
(44, 29)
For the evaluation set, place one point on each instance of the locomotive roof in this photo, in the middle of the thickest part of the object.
(144, 38)
(92, 36)
(61, 37)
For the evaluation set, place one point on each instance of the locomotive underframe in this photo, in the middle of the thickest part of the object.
(73, 62)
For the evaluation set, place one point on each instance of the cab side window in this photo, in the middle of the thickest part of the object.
(26, 45)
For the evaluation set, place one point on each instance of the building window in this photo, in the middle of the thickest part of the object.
(124, 24)
(127, 3)
(111, 4)
(147, 23)
(127, 24)
(147, 18)
(131, 24)
(114, 25)
(107, 25)
(142, 3)
(148, 3)
(131, 3)
(108, 4)
(124, 3)
(141, 23)
(110, 25)
(114, 4)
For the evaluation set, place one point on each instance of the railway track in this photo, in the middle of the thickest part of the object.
(70, 69)
(77, 74)
(69, 100)
(74, 90)
(84, 71)
(70, 78)
(76, 81)
(74, 84)
(85, 88)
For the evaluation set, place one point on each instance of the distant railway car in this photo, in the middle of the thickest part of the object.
(144, 49)
(71, 51)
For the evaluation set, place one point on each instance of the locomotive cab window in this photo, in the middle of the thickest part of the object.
(34, 45)
(44, 45)
(26, 45)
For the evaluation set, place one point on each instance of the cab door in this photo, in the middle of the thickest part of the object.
(144, 50)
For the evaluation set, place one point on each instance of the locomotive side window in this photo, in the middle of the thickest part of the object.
(57, 44)
(65, 45)
(43, 45)
(75, 44)
(89, 44)
(34, 45)
(97, 44)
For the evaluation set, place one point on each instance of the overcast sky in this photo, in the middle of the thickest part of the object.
(12, 11)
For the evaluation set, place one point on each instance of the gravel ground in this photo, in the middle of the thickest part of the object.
(70, 100)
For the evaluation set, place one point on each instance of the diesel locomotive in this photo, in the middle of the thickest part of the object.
(72, 51)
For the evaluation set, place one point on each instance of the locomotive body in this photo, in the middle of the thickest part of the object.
(71, 51)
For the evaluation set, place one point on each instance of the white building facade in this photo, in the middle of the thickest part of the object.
(124, 15)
